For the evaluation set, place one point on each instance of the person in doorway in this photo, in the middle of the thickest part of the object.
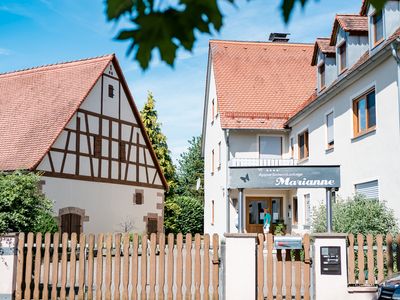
(267, 220)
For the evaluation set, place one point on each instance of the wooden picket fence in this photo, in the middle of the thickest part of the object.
(372, 258)
(283, 274)
(116, 266)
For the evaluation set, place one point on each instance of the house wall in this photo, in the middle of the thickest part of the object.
(103, 186)
(373, 156)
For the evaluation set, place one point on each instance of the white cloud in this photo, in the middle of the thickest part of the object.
(4, 51)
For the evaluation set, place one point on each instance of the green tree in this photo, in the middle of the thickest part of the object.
(190, 170)
(159, 141)
(357, 215)
(172, 25)
(183, 214)
(23, 207)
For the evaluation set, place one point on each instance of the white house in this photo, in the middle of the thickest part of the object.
(78, 124)
(334, 103)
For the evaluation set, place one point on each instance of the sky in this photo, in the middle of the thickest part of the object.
(39, 32)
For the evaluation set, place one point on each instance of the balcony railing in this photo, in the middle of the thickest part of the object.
(261, 162)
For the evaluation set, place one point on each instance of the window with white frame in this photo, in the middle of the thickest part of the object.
(212, 162)
(342, 57)
(321, 72)
(307, 202)
(219, 155)
(369, 189)
(329, 130)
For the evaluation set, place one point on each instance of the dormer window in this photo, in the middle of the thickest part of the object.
(321, 72)
(342, 57)
(377, 27)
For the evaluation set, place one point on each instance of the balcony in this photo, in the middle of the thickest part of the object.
(261, 162)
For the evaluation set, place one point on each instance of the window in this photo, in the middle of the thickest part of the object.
(213, 110)
(364, 113)
(292, 148)
(212, 162)
(219, 155)
(342, 57)
(270, 147)
(110, 91)
(138, 197)
(71, 223)
(152, 224)
(303, 144)
(370, 189)
(97, 146)
(329, 130)
(321, 71)
(212, 212)
(377, 23)
(307, 209)
(295, 213)
(122, 151)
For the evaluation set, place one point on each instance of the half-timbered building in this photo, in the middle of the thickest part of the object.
(78, 124)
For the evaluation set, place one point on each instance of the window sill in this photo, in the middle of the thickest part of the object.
(364, 134)
(329, 149)
(303, 160)
(342, 71)
(377, 43)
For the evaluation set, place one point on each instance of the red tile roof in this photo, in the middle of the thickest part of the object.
(323, 45)
(36, 104)
(350, 23)
(259, 84)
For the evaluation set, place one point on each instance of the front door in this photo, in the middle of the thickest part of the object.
(255, 212)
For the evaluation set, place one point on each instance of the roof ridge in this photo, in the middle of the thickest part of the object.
(350, 15)
(259, 43)
(64, 63)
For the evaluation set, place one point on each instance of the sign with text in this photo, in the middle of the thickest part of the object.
(284, 177)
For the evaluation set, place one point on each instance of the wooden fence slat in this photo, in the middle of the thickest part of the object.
(197, 266)
(351, 260)
(398, 252)
(215, 266)
(307, 266)
(117, 267)
(81, 279)
(188, 267)
(270, 267)
(206, 267)
(90, 266)
(170, 269)
(108, 275)
(389, 253)
(28, 266)
(179, 266)
(20, 266)
(46, 266)
(54, 281)
(288, 274)
(297, 272)
(152, 269)
(279, 275)
(38, 258)
(134, 272)
(125, 268)
(72, 267)
(143, 271)
(360, 257)
(379, 259)
(370, 255)
(260, 267)
(99, 269)
(161, 266)
(63, 292)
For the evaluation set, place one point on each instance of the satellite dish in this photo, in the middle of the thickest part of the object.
(198, 184)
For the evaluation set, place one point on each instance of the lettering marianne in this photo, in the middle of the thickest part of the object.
(287, 181)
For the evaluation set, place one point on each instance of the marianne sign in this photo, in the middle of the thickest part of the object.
(284, 177)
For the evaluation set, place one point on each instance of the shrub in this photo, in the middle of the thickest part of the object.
(357, 215)
(23, 207)
(183, 214)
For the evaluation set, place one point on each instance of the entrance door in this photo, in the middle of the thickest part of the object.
(255, 212)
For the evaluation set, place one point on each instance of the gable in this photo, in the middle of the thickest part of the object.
(105, 140)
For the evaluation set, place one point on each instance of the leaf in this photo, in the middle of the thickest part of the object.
(116, 8)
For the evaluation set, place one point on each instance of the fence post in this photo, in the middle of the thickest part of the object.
(240, 266)
(8, 265)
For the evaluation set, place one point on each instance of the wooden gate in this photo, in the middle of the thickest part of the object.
(117, 266)
(283, 274)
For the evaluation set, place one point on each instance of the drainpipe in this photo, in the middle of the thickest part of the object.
(228, 210)
(395, 48)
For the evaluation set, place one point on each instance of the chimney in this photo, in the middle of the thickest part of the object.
(278, 37)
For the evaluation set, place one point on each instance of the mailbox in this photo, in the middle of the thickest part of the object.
(330, 261)
(288, 242)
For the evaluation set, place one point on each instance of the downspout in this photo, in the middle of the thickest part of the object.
(228, 206)
(395, 48)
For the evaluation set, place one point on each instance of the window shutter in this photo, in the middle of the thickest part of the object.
(152, 225)
(368, 189)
